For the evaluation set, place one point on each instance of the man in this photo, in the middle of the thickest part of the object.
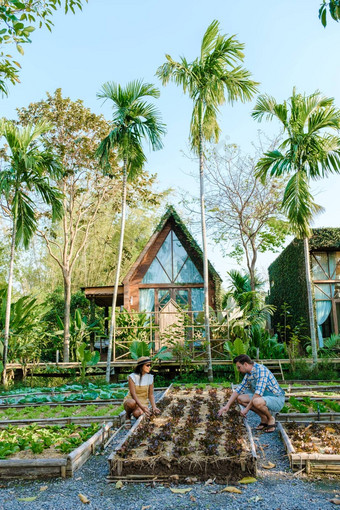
(259, 391)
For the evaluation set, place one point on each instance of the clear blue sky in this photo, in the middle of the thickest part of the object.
(122, 40)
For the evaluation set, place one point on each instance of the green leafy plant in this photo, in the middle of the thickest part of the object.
(234, 349)
(141, 348)
(86, 358)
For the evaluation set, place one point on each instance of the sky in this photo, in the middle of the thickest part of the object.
(123, 40)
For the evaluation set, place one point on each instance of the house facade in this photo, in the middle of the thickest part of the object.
(168, 270)
(287, 280)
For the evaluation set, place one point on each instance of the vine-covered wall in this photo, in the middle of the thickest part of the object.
(287, 280)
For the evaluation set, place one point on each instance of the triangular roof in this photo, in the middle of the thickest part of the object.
(193, 249)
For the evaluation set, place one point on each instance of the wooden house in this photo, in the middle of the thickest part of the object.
(167, 276)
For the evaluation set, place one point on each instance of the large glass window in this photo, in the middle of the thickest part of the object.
(147, 300)
(172, 264)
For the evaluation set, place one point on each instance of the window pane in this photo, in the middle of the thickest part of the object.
(189, 274)
(179, 254)
(322, 291)
(164, 255)
(163, 297)
(155, 274)
(320, 273)
(334, 263)
(197, 300)
(146, 300)
(182, 297)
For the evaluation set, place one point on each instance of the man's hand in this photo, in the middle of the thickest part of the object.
(223, 410)
(155, 410)
(244, 412)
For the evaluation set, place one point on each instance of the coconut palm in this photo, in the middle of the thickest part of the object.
(207, 80)
(25, 177)
(134, 120)
(309, 151)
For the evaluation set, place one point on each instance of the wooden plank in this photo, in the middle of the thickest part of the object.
(308, 417)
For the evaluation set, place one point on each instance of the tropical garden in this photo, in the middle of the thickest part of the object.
(78, 205)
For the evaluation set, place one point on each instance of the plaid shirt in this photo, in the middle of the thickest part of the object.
(260, 380)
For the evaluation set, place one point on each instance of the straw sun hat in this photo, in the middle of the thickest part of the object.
(142, 360)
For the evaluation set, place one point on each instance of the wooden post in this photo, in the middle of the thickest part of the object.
(93, 318)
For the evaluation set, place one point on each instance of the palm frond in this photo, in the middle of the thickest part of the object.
(299, 205)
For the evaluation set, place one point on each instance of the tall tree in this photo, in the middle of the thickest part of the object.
(74, 136)
(207, 79)
(243, 215)
(134, 121)
(17, 20)
(25, 179)
(309, 151)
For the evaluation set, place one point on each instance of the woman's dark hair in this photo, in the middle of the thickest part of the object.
(243, 358)
(139, 370)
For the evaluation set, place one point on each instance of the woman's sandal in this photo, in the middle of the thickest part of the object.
(261, 426)
(127, 424)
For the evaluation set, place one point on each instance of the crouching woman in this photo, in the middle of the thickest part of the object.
(140, 393)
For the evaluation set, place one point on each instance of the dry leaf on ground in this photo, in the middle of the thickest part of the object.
(255, 499)
(232, 489)
(180, 491)
(335, 501)
(43, 488)
(209, 481)
(145, 507)
(269, 465)
(192, 498)
(248, 479)
(31, 498)
(119, 484)
(83, 499)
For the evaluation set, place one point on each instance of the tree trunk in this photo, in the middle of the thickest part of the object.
(310, 301)
(205, 257)
(115, 289)
(8, 305)
(67, 314)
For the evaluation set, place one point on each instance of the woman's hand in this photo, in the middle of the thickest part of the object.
(155, 410)
(146, 410)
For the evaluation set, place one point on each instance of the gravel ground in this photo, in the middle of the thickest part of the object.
(277, 489)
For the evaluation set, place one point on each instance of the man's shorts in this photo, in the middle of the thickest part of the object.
(274, 402)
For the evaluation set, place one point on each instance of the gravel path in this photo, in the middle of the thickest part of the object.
(277, 489)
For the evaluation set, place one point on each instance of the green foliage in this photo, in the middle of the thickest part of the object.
(140, 348)
(132, 326)
(307, 153)
(207, 79)
(17, 20)
(87, 359)
(38, 438)
(234, 349)
(288, 288)
(322, 371)
(334, 10)
(80, 331)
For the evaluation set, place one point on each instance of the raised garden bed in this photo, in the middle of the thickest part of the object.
(187, 440)
(60, 415)
(36, 452)
(307, 409)
(313, 447)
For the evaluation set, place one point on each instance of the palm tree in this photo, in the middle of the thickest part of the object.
(134, 120)
(307, 153)
(24, 178)
(207, 79)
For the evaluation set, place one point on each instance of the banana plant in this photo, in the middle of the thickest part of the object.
(86, 358)
(141, 348)
(80, 331)
(234, 349)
